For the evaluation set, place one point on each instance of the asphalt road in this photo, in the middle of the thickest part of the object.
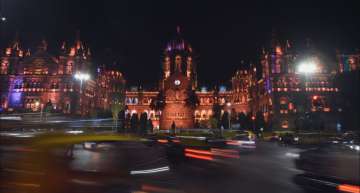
(270, 168)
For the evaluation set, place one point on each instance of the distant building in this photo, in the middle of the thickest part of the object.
(349, 81)
(296, 90)
(178, 82)
(348, 62)
(110, 87)
(29, 81)
(290, 90)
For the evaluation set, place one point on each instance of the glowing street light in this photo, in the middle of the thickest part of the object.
(228, 104)
(82, 77)
(37, 104)
(307, 67)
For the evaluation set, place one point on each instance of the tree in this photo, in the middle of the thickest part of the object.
(216, 109)
(214, 123)
(127, 122)
(74, 103)
(225, 120)
(150, 125)
(134, 122)
(158, 103)
(197, 124)
(259, 120)
(233, 117)
(143, 123)
(116, 107)
(192, 100)
(48, 109)
(117, 103)
(249, 122)
(122, 119)
(242, 120)
(48, 106)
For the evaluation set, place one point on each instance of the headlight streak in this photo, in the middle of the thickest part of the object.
(149, 171)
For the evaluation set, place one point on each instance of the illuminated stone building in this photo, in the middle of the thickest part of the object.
(295, 89)
(110, 87)
(289, 89)
(178, 81)
(30, 80)
(348, 62)
(349, 81)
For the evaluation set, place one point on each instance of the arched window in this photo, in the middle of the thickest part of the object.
(69, 67)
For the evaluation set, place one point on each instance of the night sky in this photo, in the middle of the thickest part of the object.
(132, 34)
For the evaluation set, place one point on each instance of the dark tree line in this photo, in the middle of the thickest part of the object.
(140, 125)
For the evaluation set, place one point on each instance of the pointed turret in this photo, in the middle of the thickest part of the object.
(77, 40)
(63, 46)
(43, 45)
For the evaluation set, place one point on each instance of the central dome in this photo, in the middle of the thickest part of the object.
(178, 43)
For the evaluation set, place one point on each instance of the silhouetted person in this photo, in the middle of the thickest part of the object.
(173, 127)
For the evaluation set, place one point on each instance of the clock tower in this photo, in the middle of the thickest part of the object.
(178, 79)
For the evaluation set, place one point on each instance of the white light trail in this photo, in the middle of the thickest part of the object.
(149, 171)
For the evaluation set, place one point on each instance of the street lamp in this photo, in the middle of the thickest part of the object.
(307, 67)
(37, 104)
(82, 77)
(228, 104)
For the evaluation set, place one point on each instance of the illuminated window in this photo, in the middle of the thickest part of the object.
(285, 124)
(69, 68)
(4, 68)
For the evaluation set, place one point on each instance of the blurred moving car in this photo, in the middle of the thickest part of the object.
(330, 168)
(71, 163)
(288, 139)
(242, 141)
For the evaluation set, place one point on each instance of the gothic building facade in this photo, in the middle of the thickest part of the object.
(286, 96)
(177, 87)
(30, 81)
(297, 89)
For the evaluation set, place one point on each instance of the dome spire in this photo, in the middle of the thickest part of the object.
(178, 30)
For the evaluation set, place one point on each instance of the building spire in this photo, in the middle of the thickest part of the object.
(43, 44)
(263, 50)
(88, 52)
(15, 45)
(77, 40)
(178, 30)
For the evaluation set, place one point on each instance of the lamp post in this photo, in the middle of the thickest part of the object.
(81, 77)
(307, 68)
(228, 104)
(37, 104)
(253, 122)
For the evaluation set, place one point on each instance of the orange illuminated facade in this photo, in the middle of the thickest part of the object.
(31, 80)
(288, 96)
(179, 78)
(284, 95)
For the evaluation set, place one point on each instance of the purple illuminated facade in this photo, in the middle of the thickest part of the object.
(286, 98)
(30, 80)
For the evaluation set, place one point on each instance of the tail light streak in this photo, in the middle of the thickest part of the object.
(162, 141)
(209, 155)
(349, 188)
